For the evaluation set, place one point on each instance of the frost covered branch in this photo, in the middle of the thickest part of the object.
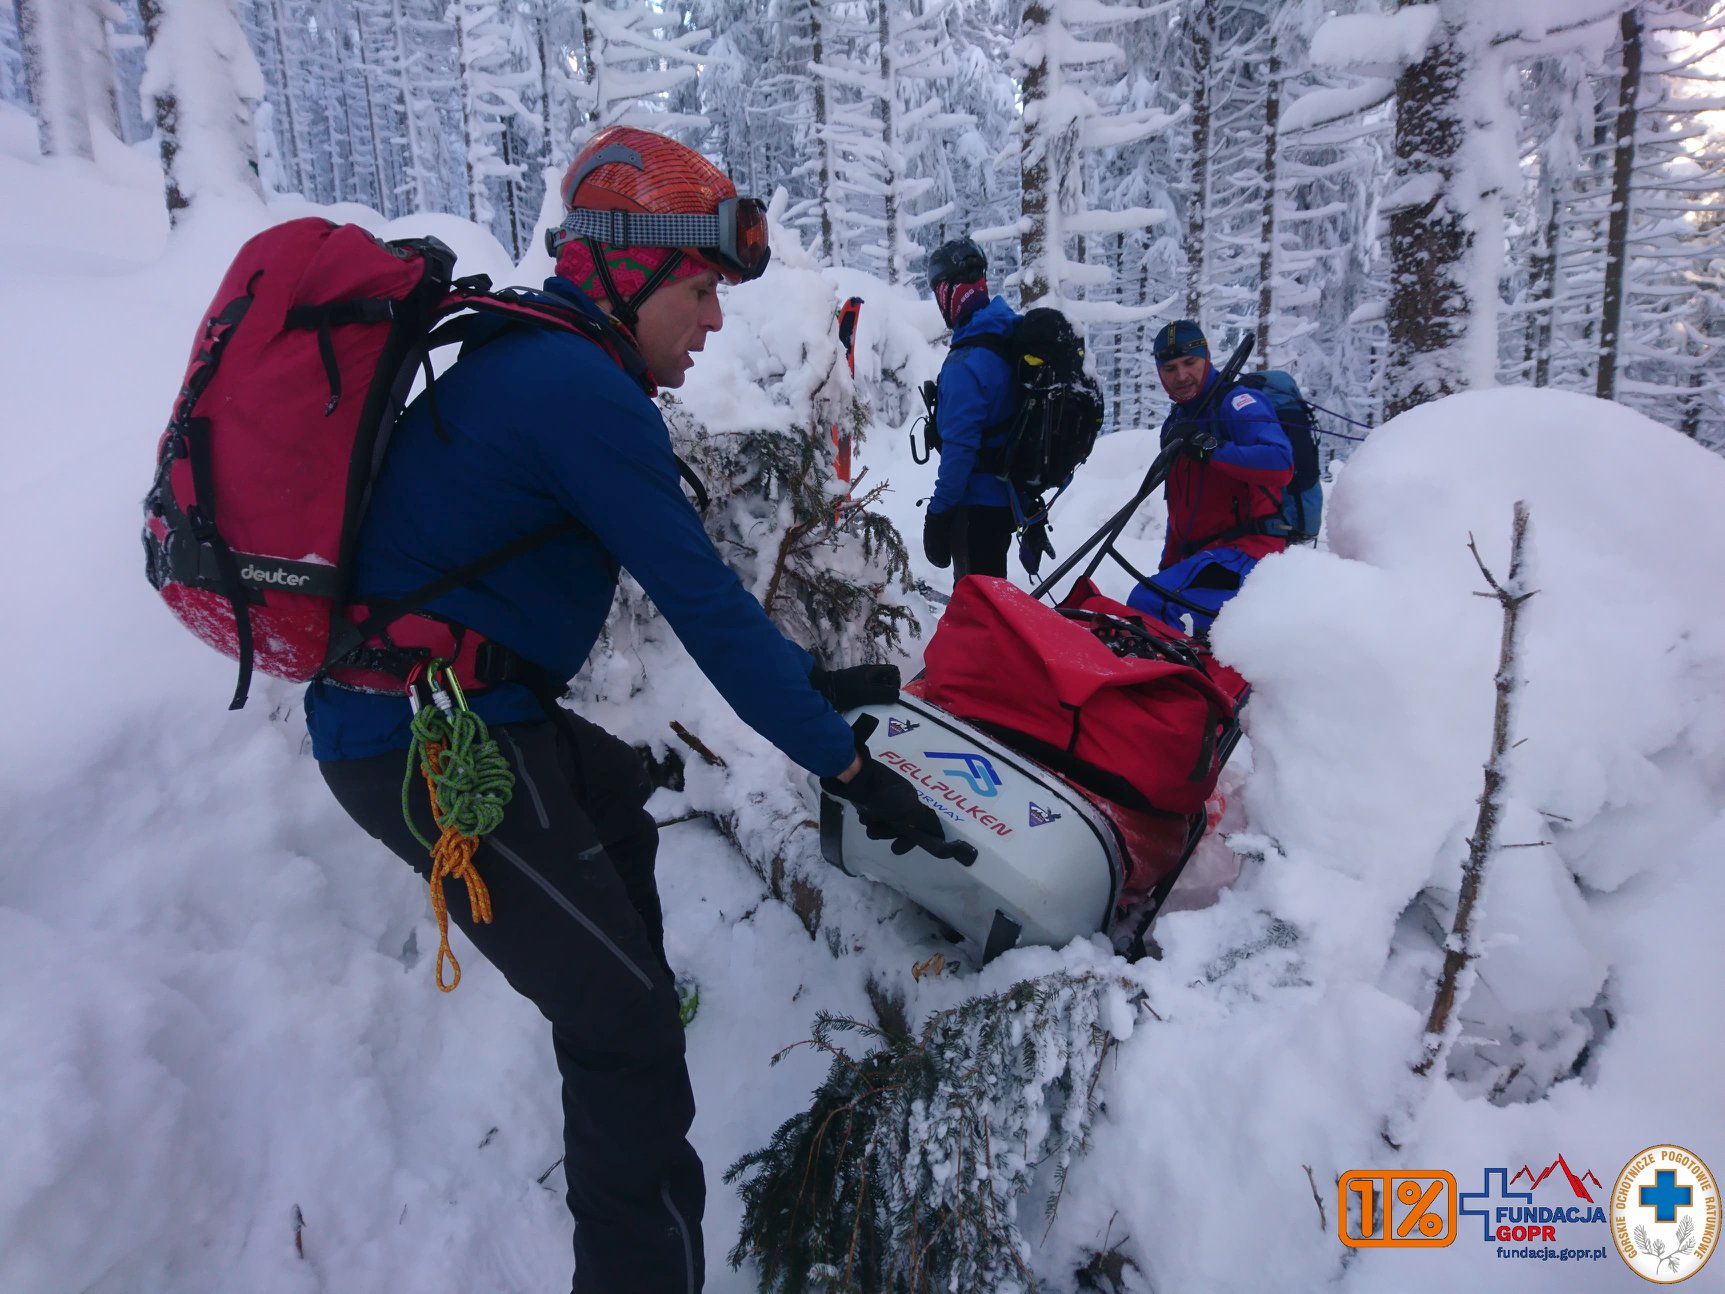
(1456, 979)
(906, 1170)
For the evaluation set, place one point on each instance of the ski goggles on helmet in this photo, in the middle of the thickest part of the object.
(733, 238)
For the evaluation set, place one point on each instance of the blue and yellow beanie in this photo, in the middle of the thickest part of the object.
(1182, 337)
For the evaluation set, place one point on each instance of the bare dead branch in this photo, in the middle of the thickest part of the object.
(1323, 1216)
(1459, 950)
(695, 744)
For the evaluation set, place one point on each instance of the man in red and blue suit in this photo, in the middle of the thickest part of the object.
(1225, 485)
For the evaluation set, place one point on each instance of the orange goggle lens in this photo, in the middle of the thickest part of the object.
(747, 226)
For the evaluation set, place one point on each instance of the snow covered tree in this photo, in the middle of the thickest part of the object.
(872, 135)
(797, 88)
(1240, 160)
(417, 64)
(1666, 174)
(14, 87)
(90, 21)
(1434, 291)
(203, 80)
(271, 33)
(1455, 172)
(1608, 277)
(1061, 121)
(634, 55)
(556, 29)
(1330, 287)
(55, 68)
(489, 44)
(1076, 134)
(1201, 39)
(971, 163)
(1622, 196)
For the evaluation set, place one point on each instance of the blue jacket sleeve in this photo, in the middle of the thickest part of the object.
(617, 473)
(961, 413)
(1252, 440)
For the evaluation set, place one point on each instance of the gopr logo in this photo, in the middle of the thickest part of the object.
(1665, 1214)
(977, 772)
(287, 579)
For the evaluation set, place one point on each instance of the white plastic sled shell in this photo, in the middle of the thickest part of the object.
(1048, 865)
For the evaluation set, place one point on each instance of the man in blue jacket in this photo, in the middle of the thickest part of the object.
(543, 432)
(1223, 491)
(969, 523)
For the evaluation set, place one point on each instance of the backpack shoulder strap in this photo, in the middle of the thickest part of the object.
(514, 306)
(1001, 346)
(461, 311)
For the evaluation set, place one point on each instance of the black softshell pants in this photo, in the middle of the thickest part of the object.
(577, 930)
(981, 539)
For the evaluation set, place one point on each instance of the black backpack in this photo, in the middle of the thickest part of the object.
(1059, 412)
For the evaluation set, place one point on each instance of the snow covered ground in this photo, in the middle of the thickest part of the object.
(217, 1022)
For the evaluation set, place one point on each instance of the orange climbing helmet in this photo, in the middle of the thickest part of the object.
(634, 188)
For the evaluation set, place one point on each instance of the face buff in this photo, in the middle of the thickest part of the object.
(630, 267)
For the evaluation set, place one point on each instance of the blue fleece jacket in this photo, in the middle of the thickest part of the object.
(543, 424)
(1226, 500)
(976, 392)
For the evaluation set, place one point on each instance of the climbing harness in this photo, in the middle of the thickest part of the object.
(470, 784)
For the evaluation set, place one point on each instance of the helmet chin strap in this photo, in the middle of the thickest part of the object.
(628, 311)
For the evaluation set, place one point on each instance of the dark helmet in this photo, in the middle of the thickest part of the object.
(960, 261)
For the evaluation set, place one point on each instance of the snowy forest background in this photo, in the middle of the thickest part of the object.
(1400, 201)
(221, 1063)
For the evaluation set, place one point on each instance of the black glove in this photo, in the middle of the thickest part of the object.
(1199, 445)
(1033, 546)
(858, 685)
(937, 537)
(889, 807)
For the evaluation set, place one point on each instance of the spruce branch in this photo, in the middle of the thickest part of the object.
(906, 1171)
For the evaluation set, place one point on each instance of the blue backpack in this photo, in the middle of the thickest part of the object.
(1303, 500)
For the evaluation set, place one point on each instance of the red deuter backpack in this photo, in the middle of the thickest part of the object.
(302, 364)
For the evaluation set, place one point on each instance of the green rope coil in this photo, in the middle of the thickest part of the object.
(475, 784)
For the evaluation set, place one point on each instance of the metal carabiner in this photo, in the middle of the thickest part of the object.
(439, 695)
(419, 689)
(455, 692)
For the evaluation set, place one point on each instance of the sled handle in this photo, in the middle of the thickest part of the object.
(961, 850)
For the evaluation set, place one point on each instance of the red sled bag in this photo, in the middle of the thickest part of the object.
(1139, 722)
(299, 371)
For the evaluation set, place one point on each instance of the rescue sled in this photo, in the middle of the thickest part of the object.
(1071, 751)
(1055, 842)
